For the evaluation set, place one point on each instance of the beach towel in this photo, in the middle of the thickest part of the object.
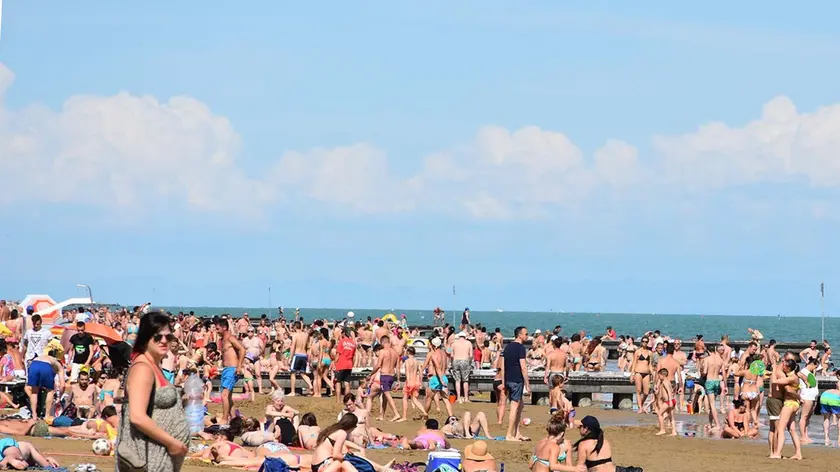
(628, 469)
(360, 463)
(49, 469)
(274, 464)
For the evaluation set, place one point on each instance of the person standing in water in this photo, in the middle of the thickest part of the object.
(715, 372)
(233, 354)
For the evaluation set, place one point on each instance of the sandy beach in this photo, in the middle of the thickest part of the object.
(632, 445)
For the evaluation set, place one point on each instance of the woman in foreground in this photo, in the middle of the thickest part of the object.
(154, 425)
(594, 453)
(553, 452)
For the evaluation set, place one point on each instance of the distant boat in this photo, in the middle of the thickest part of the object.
(499, 310)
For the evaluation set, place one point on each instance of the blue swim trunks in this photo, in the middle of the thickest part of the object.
(41, 375)
(6, 443)
(438, 386)
(228, 378)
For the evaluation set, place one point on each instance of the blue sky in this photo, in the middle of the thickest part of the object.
(581, 156)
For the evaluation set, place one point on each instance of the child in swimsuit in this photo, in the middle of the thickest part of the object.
(665, 403)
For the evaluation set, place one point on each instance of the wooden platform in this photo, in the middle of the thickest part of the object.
(580, 386)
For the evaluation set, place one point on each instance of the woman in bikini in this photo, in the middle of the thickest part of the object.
(223, 446)
(791, 405)
(308, 431)
(737, 420)
(594, 452)
(536, 356)
(330, 446)
(750, 391)
(808, 393)
(554, 452)
(640, 373)
(466, 427)
(597, 358)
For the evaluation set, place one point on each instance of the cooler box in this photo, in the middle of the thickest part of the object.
(439, 458)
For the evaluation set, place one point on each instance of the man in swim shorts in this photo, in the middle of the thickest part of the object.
(714, 369)
(388, 365)
(435, 365)
(462, 353)
(233, 355)
(300, 339)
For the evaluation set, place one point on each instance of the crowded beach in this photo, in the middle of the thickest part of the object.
(164, 391)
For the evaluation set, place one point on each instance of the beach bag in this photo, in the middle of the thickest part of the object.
(274, 464)
(133, 452)
(360, 463)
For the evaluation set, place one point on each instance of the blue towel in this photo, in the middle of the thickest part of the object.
(499, 438)
(49, 469)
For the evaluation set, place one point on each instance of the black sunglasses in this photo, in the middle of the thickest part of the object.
(169, 337)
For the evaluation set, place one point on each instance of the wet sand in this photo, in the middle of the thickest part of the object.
(634, 443)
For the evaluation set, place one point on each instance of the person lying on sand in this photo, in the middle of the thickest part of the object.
(40, 429)
(22, 455)
(430, 437)
(467, 427)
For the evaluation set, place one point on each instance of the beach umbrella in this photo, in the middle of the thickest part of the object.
(107, 333)
(42, 305)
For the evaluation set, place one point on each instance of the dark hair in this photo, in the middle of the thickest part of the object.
(738, 403)
(233, 430)
(670, 349)
(251, 424)
(221, 323)
(79, 324)
(347, 423)
(596, 435)
(518, 330)
(109, 411)
(772, 342)
(349, 397)
(35, 319)
(150, 324)
(432, 423)
(791, 365)
(557, 423)
(309, 419)
(411, 350)
(575, 337)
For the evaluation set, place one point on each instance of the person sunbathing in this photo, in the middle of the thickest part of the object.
(467, 427)
(308, 431)
(430, 437)
(41, 429)
(22, 455)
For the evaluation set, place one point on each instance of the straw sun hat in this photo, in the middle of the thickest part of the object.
(477, 451)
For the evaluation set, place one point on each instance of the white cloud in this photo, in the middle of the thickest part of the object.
(125, 151)
(783, 145)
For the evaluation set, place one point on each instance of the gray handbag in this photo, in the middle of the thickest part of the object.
(132, 445)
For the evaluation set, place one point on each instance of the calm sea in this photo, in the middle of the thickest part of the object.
(682, 326)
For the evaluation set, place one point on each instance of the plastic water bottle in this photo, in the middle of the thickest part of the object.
(194, 391)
